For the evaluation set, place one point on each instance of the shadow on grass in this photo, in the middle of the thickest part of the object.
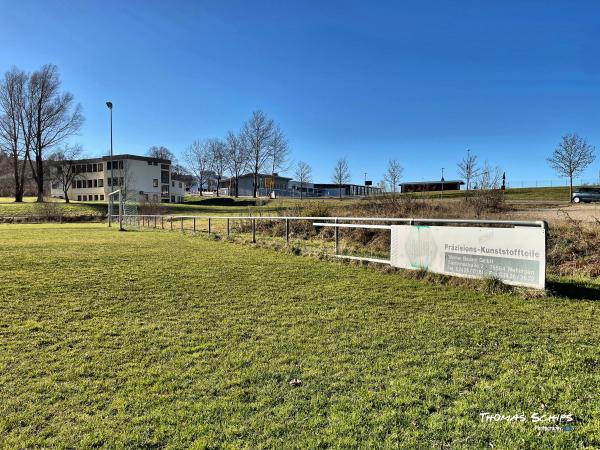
(574, 289)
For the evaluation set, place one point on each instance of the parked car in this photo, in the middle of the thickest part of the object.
(586, 195)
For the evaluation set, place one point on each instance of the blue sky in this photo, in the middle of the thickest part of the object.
(418, 81)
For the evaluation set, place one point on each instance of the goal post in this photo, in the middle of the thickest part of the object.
(122, 207)
(112, 196)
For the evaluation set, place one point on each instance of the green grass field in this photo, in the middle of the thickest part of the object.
(157, 339)
(8, 208)
(207, 205)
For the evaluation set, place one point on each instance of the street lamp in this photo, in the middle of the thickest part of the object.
(112, 173)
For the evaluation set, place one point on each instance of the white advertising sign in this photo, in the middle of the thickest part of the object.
(517, 256)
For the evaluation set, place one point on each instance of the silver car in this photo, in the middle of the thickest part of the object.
(586, 195)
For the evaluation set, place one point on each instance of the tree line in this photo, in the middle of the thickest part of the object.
(260, 145)
(35, 118)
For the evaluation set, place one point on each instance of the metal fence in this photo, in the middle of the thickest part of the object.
(194, 224)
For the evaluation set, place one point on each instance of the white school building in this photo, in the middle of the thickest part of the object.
(141, 177)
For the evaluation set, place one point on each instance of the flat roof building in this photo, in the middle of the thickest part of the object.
(140, 178)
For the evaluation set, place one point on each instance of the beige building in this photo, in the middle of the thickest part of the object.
(140, 178)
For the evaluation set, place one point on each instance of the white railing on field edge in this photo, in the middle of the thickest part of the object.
(152, 220)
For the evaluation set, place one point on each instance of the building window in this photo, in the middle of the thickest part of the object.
(180, 185)
(121, 181)
(101, 182)
(94, 167)
(89, 183)
(89, 167)
(100, 167)
(155, 182)
(149, 163)
(95, 197)
(172, 184)
(79, 198)
(164, 166)
(155, 163)
(101, 196)
(172, 198)
(164, 176)
(95, 183)
(85, 198)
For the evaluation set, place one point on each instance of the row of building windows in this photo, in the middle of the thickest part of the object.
(90, 198)
(83, 184)
(83, 168)
(97, 167)
(162, 166)
(87, 184)
(116, 165)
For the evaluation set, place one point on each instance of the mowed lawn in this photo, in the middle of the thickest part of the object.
(158, 339)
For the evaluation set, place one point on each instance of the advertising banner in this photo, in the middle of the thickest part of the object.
(517, 256)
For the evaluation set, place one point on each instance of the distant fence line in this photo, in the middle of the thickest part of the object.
(550, 182)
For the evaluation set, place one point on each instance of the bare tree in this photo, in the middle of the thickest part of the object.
(158, 151)
(12, 103)
(341, 174)
(62, 167)
(257, 135)
(393, 174)
(49, 118)
(303, 175)
(217, 158)
(572, 156)
(237, 158)
(279, 153)
(180, 170)
(487, 196)
(468, 169)
(196, 159)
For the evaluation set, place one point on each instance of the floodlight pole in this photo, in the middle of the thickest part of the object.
(112, 173)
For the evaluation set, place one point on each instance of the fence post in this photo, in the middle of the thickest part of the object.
(154, 222)
(254, 231)
(182, 224)
(287, 231)
(194, 219)
(337, 238)
(209, 225)
(171, 223)
(228, 227)
(162, 222)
